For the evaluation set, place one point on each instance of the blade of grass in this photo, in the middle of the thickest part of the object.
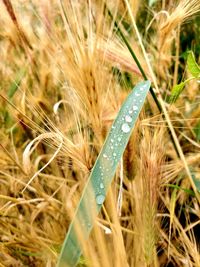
(172, 213)
(197, 131)
(188, 191)
(118, 29)
(176, 91)
(102, 174)
(196, 182)
(15, 85)
(192, 65)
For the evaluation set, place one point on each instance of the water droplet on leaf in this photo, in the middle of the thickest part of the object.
(100, 199)
(101, 185)
(128, 118)
(135, 108)
(126, 128)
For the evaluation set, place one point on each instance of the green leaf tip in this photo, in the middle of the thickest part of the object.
(15, 85)
(196, 182)
(192, 65)
(194, 69)
(102, 175)
(176, 91)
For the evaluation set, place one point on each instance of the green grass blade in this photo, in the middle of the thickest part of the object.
(15, 85)
(118, 29)
(196, 182)
(188, 191)
(197, 131)
(192, 65)
(176, 91)
(102, 174)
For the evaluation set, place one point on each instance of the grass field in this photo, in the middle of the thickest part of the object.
(66, 68)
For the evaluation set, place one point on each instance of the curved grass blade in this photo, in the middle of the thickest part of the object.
(101, 176)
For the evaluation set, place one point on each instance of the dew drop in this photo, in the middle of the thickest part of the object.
(114, 154)
(135, 108)
(142, 89)
(104, 155)
(126, 128)
(100, 199)
(137, 94)
(128, 118)
(130, 112)
(101, 185)
(119, 139)
(111, 147)
(111, 140)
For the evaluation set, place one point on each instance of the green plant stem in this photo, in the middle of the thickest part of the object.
(134, 57)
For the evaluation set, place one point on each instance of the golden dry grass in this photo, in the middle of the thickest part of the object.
(52, 129)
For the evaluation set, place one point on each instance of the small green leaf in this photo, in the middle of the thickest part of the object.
(15, 85)
(188, 191)
(196, 182)
(172, 207)
(197, 131)
(101, 176)
(192, 65)
(176, 91)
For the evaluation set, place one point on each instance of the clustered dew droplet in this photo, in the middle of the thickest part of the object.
(126, 128)
(135, 108)
(101, 185)
(100, 199)
(128, 118)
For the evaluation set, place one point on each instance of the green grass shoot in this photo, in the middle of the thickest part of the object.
(102, 174)
(192, 65)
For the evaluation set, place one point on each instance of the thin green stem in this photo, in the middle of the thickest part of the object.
(134, 56)
(117, 27)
